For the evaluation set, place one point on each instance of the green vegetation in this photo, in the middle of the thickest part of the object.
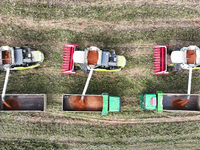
(180, 135)
(103, 12)
(129, 28)
(31, 144)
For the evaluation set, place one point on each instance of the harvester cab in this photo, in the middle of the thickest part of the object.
(19, 58)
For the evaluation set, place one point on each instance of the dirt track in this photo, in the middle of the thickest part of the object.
(97, 121)
(81, 24)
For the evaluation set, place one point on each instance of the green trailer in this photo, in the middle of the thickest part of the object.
(92, 103)
(163, 101)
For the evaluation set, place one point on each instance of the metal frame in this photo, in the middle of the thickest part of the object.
(44, 108)
(65, 61)
(158, 58)
(78, 95)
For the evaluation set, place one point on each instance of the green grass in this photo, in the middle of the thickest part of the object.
(97, 136)
(104, 12)
(31, 144)
(34, 82)
(105, 38)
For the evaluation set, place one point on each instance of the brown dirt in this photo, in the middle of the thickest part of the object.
(179, 104)
(92, 57)
(12, 103)
(90, 103)
(6, 57)
(191, 56)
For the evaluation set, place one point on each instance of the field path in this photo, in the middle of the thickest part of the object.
(61, 120)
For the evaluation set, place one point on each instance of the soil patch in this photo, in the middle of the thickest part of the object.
(90, 103)
(191, 56)
(6, 57)
(12, 103)
(179, 104)
(92, 57)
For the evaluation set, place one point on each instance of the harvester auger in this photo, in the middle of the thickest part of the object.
(185, 58)
(20, 58)
(91, 59)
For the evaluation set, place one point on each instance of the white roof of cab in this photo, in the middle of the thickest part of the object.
(78, 56)
(178, 57)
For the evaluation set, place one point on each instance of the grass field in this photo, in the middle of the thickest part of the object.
(131, 28)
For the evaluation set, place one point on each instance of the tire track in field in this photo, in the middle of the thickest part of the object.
(100, 121)
(82, 24)
(62, 3)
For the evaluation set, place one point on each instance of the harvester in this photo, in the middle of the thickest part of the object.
(185, 58)
(107, 61)
(20, 58)
(91, 59)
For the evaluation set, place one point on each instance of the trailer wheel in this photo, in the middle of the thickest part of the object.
(198, 104)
